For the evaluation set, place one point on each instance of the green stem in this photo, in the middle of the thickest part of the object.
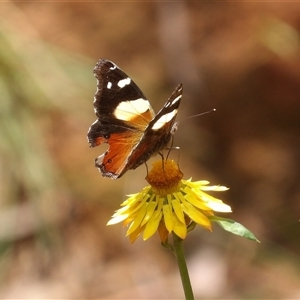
(184, 273)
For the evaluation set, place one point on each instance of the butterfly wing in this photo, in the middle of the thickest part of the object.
(123, 115)
(158, 133)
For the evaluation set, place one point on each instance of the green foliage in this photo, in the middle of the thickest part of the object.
(234, 227)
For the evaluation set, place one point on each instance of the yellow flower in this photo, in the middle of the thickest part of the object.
(168, 204)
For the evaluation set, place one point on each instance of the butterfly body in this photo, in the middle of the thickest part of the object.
(127, 122)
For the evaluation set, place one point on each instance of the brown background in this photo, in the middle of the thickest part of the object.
(241, 58)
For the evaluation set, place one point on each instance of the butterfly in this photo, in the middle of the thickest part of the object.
(127, 122)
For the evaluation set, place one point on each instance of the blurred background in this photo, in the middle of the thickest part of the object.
(240, 58)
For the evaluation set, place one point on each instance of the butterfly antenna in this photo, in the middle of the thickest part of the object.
(190, 117)
(201, 114)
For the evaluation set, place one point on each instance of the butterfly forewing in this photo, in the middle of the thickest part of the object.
(158, 133)
(169, 111)
(118, 96)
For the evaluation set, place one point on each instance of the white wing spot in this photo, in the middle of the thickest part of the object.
(113, 67)
(109, 85)
(176, 99)
(127, 110)
(124, 82)
(164, 119)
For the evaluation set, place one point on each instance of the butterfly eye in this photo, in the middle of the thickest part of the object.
(106, 136)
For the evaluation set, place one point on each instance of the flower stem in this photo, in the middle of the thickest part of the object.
(184, 273)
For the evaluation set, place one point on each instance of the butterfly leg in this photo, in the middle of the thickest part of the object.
(172, 148)
(178, 157)
(163, 162)
(146, 168)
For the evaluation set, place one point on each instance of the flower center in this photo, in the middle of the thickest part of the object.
(165, 177)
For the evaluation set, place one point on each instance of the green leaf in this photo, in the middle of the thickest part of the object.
(234, 227)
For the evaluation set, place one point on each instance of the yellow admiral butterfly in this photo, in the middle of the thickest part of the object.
(127, 122)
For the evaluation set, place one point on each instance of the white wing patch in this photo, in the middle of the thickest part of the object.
(127, 110)
(176, 99)
(124, 82)
(164, 119)
(113, 67)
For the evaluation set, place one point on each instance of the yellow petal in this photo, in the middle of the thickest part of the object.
(117, 219)
(196, 184)
(131, 208)
(163, 232)
(220, 207)
(214, 203)
(152, 226)
(149, 212)
(135, 234)
(137, 221)
(168, 216)
(178, 210)
(196, 201)
(179, 228)
(134, 198)
(131, 199)
(159, 200)
(128, 220)
(196, 215)
(216, 188)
